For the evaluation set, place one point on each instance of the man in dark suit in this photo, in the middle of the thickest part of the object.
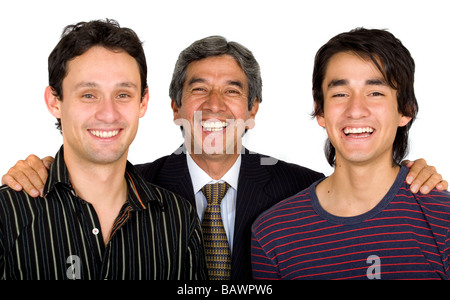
(216, 90)
(260, 187)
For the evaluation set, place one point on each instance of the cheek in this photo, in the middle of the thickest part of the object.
(239, 110)
(330, 115)
(390, 115)
(67, 119)
(187, 111)
(130, 115)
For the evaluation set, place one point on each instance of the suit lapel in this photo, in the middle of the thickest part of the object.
(251, 200)
(174, 176)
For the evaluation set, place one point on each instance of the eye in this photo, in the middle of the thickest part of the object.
(88, 96)
(233, 92)
(339, 95)
(123, 96)
(199, 90)
(376, 94)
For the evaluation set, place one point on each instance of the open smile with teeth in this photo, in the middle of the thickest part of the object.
(214, 125)
(358, 131)
(104, 134)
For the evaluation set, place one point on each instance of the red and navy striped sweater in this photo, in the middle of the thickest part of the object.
(406, 236)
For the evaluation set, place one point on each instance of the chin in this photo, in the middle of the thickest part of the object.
(103, 158)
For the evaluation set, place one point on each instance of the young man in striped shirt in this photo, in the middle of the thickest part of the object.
(98, 218)
(363, 221)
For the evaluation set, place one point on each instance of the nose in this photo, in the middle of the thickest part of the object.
(107, 110)
(357, 107)
(215, 102)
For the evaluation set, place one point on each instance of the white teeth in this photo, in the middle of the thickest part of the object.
(213, 126)
(104, 134)
(358, 130)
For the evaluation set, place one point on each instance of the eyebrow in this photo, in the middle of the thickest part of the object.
(89, 84)
(236, 83)
(85, 84)
(202, 80)
(344, 82)
(337, 82)
(376, 81)
(196, 80)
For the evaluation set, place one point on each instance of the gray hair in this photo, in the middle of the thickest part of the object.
(216, 46)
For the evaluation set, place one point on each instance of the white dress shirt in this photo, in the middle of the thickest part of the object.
(228, 204)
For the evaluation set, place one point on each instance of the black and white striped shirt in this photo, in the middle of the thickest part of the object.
(155, 236)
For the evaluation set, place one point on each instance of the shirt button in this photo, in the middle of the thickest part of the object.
(95, 231)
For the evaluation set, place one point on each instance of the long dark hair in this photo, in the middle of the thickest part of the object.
(396, 65)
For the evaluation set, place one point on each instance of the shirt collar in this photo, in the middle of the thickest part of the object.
(140, 192)
(58, 173)
(200, 178)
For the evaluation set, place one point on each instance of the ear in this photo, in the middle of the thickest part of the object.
(254, 109)
(404, 120)
(320, 118)
(144, 104)
(252, 115)
(175, 109)
(53, 103)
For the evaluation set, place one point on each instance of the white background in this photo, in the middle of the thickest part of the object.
(284, 37)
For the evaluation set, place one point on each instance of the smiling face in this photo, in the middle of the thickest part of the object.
(214, 106)
(360, 110)
(101, 106)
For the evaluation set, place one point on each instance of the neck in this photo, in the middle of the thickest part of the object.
(216, 166)
(355, 189)
(97, 183)
(102, 185)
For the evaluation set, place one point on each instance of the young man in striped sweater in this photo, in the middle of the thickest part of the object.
(363, 221)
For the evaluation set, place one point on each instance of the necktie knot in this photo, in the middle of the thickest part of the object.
(214, 193)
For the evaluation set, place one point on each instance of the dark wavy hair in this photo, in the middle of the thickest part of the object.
(394, 62)
(78, 38)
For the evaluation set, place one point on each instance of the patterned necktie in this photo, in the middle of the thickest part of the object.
(218, 254)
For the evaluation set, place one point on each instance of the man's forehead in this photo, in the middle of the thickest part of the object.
(343, 66)
(223, 67)
(100, 66)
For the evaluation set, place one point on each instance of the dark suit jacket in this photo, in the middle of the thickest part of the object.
(259, 188)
